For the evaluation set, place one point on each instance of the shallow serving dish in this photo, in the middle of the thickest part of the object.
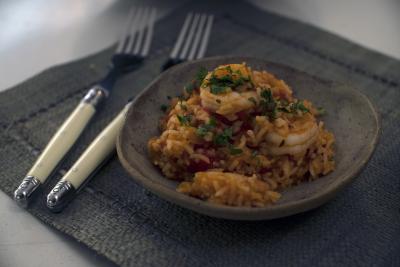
(350, 116)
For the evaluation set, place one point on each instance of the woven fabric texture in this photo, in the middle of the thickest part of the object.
(132, 227)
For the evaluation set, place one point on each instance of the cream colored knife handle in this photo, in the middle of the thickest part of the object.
(96, 153)
(62, 141)
(86, 165)
(60, 144)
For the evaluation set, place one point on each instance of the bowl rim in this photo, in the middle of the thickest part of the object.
(248, 213)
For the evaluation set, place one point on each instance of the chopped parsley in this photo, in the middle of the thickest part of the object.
(189, 88)
(299, 105)
(235, 151)
(223, 138)
(270, 106)
(321, 111)
(253, 100)
(164, 108)
(205, 128)
(226, 81)
(267, 95)
(229, 69)
(183, 106)
(201, 74)
(195, 83)
(216, 89)
(219, 85)
(268, 103)
(184, 119)
(283, 102)
(181, 97)
(202, 131)
(212, 122)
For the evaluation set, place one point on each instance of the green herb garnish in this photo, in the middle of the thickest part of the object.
(183, 106)
(268, 103)
(299, 105)
(219, 85)
(205, 128)
(184, 119)
(201, 74)
(202, 131)
(212, 122)
(164, 108)
(235, 151)
(321, 111)
(267, 95)
(253, 100)
(189, 88)
(283, 102)
(216, 89)
(223, 138)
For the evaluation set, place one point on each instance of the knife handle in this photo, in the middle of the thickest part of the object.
(84, 168)
(60, 144)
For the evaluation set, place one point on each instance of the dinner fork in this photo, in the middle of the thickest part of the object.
(133, 46)
(195, 27)
(192, 40)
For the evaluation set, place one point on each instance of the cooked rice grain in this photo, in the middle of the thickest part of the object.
(230, 189)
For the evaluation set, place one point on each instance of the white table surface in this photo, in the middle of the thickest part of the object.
(43, 33)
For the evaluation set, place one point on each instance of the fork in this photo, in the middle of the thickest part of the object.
(133, 46)
(192, 40)
(195, 27)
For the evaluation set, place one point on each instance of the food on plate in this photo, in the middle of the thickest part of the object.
(238, 137)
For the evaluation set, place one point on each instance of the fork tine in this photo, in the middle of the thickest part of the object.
(206, 37)
(150, 27)
(141, 26)
(133, 28)
(184, 29)
(189, 36)
(124, 33)
(196, 40)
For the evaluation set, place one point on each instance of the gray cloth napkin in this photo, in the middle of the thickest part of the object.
(130, 226)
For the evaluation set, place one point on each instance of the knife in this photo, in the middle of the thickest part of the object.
(97, 152)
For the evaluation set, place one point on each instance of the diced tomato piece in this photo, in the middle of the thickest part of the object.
(246, 125)
(198, 166)
(265, 170)
(223, 119)
(242, 115)
(204, 145)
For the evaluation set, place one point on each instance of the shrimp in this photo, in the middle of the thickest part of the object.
(301, 134)
(228, 102)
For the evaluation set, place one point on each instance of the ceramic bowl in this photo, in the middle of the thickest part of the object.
(350, 116)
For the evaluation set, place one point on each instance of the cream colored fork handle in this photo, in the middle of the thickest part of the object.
(62, 141)
(96, 153)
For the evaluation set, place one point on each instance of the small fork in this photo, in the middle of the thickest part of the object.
(132, 48)
(192, 40)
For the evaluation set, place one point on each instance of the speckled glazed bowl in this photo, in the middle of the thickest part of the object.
(350, 116)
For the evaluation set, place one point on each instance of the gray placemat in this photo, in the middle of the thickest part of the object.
(130, 226)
